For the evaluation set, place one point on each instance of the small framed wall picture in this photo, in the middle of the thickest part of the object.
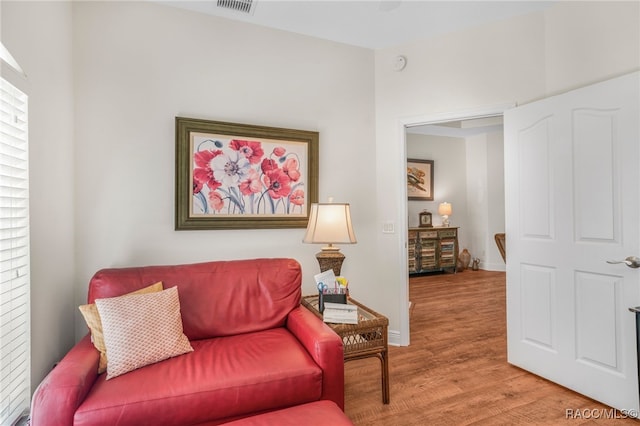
(420, 179)
(425, 219)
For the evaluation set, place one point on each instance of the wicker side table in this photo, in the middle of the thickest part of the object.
(366, 339)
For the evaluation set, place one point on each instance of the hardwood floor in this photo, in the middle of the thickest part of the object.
(455, 371)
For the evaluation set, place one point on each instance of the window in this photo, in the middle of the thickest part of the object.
(14, 256)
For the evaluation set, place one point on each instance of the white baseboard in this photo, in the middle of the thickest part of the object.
(501, 267)
(394, 338)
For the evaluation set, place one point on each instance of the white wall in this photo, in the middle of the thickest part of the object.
(477, 188)
(485, 197)
(38, 34)
(516, 60)
(138, 65)
(449, 179)
(590, 41)
(491, 258)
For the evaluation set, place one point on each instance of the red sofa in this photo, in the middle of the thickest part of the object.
(255, 350)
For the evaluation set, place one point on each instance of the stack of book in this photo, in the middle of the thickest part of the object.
(340, 313)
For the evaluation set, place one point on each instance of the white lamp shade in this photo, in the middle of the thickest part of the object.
(330, 224)
(444, 209)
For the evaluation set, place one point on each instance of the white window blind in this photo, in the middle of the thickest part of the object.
(14, 251)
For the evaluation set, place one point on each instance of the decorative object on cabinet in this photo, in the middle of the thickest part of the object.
(330, 223)
(425, 219)
(444, 210)
(433, 249)
(238, 176)
(465, 257)
(420, 179)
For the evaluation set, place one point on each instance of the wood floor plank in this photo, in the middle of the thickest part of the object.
(455, 371)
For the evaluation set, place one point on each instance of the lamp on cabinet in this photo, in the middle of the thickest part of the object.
(444, 210)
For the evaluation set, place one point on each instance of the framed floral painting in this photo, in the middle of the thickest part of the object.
(420, 179)
(238, 176)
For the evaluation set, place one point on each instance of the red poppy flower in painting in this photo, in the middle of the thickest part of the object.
(268, 165)
(297, 197)
(203, 173)
(216, 200)
(291, 168)
(251, 150)
(279, 151)
(197, 186)
(278, 183)
(251, 184)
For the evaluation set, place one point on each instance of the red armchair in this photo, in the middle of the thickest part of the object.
(255, 350)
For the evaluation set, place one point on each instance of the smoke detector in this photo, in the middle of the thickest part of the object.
(399, 63)
(242, 6)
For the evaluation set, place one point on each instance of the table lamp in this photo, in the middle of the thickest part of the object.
(444, 210)
(330, 223)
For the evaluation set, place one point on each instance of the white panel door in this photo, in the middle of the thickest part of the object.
(572, 191)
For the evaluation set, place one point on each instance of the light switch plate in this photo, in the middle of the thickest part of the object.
(388, 228)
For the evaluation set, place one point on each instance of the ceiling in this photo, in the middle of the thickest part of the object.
(373, 24)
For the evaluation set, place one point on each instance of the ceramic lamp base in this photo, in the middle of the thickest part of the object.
(445, 221)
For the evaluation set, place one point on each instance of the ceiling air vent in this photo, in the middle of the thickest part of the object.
(243, 6)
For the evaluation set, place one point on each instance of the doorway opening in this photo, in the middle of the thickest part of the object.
(467, 149)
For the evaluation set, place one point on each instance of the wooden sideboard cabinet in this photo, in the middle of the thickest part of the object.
(432, 249)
